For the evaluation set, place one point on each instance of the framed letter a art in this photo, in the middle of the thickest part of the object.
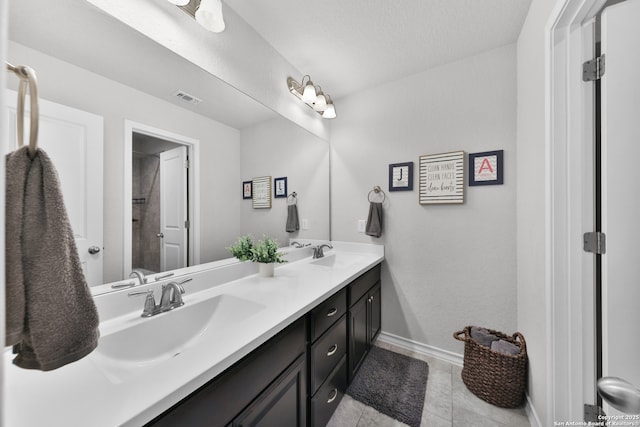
(486, 168)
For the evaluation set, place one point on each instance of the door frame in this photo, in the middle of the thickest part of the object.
(570, 201)
(193, 147)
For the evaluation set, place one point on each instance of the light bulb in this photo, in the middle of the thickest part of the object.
(180, 2)
(330, 111)
(321, 102)
(309, 94)
(209, 15)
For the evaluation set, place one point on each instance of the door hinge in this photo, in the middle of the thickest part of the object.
(593, 70)
(186, 164)
(595, 242)
(187, 224)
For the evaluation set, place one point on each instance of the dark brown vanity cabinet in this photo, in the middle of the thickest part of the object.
(364, 317)
(257, 390)
(327, 357)
(298, 377)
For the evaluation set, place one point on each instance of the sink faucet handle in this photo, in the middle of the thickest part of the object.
(150, 306)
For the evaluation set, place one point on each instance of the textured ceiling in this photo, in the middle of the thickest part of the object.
(349, 45)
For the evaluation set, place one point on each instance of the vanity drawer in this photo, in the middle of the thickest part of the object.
(359, 287)
(326, 314)
(327, 351)
(326, 400)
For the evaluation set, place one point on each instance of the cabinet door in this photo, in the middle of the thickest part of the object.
(282, 404)
(358, 334)
(375, 309)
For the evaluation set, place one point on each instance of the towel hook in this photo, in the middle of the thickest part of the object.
(27, 79)
(377, 190)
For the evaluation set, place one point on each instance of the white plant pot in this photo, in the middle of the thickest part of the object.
(265, 270)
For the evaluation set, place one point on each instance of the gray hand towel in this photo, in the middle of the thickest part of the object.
(293, 224)
(505, 347)
(482, 336)
(374, 221)
(60, 320)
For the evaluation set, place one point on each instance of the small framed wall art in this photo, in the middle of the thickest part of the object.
(442, 178)
(280, 187)
(261, 192)
(401, 176)
(246, 190)
(486, 168)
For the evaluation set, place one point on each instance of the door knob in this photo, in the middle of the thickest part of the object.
(620, 394)
(94, 250)
(160, 235)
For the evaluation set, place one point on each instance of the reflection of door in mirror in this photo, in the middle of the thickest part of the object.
(73, 139)
(161, 178)
(159, 238)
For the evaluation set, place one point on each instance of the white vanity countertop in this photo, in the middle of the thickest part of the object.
(82, 393)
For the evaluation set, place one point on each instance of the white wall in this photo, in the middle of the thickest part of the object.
(446, 266)
(280, 148)
(69, 85)
(531, 208)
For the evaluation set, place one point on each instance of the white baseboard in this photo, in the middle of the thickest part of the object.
(532, 415)
(418, 347)
(447, 356)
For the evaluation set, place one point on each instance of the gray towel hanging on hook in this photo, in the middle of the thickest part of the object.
(293, 223)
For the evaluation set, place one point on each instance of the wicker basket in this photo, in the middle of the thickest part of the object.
(497, 378)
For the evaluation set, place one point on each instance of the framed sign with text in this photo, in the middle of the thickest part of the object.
(442, 178)
(401, 176)
(261, 192)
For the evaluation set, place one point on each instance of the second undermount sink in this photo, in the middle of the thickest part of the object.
(336, 260)
(128, 346)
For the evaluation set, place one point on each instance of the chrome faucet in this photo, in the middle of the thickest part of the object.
(140, 275)
(299, 245)
(318, 250)
(171, 298)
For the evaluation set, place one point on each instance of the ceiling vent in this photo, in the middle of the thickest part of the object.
(187, 98)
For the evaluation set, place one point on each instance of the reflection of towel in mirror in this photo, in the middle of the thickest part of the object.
(374, 221)
(505, 347)
(293, 223)
(45, 283)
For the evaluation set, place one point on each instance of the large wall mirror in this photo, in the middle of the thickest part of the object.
(153, 125)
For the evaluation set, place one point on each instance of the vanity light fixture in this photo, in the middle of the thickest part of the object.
(312, 96)
(207, 13)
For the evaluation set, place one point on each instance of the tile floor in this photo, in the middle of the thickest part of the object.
(447, 403)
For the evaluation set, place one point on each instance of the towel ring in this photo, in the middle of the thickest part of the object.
(377, 190)
(27, 79)
(293, 197)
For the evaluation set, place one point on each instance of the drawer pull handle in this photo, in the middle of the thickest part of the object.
(332, 312)
(332, 350)
(333, 395)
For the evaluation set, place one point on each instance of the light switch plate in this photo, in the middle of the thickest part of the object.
(304, 224)
(362, 224)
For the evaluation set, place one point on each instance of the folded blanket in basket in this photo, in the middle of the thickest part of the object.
(505, 347)
(483, 336)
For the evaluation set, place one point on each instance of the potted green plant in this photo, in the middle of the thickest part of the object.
(265, 253)
(242, 248)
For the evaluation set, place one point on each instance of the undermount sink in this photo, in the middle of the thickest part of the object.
(336, 260)
(126, 347)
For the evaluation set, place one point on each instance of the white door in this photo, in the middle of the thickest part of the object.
(74, 141)
(173, 209)
(620, 103)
